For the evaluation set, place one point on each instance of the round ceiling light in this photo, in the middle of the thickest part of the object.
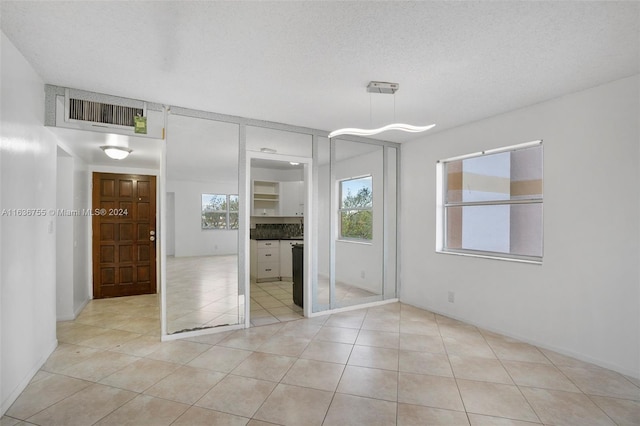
(116, 152)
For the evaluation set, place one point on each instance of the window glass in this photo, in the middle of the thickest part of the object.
(509, 229)
(233, 212)
(219, 211)
(356, 208)
(510, 175)
(493, 203)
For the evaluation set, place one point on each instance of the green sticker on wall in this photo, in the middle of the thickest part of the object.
(140, 124)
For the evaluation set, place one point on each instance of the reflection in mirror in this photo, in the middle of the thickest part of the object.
(281, 142)
(321, 288)
(390, 223)
(278, 194)
(358, 173)
(202, 287)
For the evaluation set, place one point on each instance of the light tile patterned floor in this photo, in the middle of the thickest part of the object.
(202, 292)
(272, 302)
(389, 365)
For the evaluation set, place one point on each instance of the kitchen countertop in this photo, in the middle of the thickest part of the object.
(280, 238)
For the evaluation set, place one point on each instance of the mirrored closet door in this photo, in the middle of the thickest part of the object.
(202, 220)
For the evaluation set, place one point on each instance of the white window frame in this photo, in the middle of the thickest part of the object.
(228, 212)
(442, 205)
(340, 210)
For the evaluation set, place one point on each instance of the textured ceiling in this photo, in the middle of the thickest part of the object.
(308, 63)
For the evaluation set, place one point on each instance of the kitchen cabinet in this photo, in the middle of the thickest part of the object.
(265, 260)
(265, 198)
(286, 268)
(292, 198)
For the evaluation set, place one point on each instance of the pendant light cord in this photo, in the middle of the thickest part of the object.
(394, 107)
(370, 111)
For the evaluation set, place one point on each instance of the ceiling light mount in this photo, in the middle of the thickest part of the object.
(382, 87)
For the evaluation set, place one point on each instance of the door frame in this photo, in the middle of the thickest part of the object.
(154, 227)
(129, 171)
(309, 249)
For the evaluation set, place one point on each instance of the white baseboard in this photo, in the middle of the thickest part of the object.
(80, 308)
(71, 317)
(562, 351)
(352, 308)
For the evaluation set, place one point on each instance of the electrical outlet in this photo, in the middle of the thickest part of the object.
(362, 274)
(452, 297)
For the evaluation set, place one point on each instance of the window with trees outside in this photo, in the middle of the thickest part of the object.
(219, 211)
(491, 203)
(356, 209)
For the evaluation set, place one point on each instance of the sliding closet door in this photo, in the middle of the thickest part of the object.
(202, 286)
(359, 237)
(357, 228)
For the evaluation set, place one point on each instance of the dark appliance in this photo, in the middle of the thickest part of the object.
(298, 274)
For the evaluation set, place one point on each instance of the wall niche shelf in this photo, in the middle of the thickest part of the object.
(265, 198)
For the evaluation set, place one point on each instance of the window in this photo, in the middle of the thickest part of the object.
(491, 203)
(356, 208)
(219, 211)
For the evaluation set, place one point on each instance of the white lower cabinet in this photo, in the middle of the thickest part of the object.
(265, 260)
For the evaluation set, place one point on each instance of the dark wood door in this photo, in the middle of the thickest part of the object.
(124, 228)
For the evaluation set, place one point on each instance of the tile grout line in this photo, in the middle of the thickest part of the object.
(464, 406)
(511, 377)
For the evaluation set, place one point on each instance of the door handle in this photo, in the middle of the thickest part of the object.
(152, 238)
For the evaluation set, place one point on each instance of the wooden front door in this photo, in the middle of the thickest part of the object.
(124, 232)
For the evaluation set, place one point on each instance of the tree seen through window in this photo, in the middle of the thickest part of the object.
(219, 211)
(356, 208)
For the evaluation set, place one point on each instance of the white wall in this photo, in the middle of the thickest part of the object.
(584, 300)
(64, 238)
(189, 237)
(28, 244)
(73, 237)
(170, 220)
(82, 273)
(259, 173)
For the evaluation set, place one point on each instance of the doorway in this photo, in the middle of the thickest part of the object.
(124, 235)
(279, 209)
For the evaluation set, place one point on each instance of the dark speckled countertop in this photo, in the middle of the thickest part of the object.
(279, 238)
(279, 231)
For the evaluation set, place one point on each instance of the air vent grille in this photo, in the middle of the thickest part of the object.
(98, 112)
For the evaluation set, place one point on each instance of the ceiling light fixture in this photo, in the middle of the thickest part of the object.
(116, 152)
(385, 88)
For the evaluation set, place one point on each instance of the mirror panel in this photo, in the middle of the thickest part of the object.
(359, 246)
(283, 142)
(202, 286)
(391, 224)
(321, 289)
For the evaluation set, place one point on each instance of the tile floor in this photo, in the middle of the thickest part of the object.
(388, 365)
(272, 302)
(202, 292)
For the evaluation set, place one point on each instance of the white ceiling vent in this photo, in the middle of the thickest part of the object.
(81, 110)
